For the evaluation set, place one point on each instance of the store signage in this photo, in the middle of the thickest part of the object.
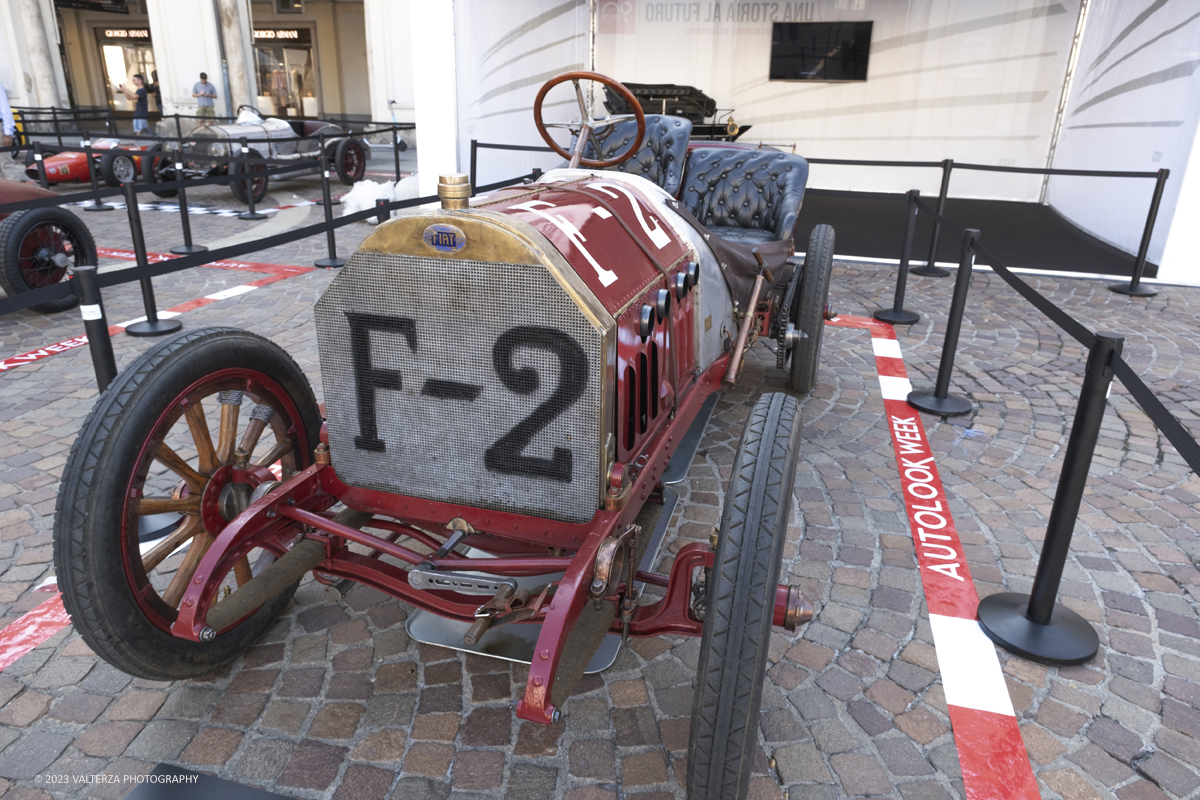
(277, 34)
(126, 33)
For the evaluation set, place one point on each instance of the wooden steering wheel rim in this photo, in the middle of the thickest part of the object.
(626, 95)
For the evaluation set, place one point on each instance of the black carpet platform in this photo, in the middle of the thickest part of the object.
(1022, 235)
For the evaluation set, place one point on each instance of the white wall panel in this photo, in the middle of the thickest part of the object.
(1134, 105)
(975, 81)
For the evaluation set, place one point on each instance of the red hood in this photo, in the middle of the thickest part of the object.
(607, 231)
(16, 192)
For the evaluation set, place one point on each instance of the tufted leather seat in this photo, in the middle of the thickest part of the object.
(748, 196)
(660, 158)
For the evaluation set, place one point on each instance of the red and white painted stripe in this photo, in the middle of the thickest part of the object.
(995, 764)
(31, 629)
(275, 272)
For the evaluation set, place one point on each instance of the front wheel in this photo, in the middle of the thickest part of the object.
(129, 529)
(740, 603)
(809, 311)
(257, 180)
(36, 249)
(117, 169)
(351, 161)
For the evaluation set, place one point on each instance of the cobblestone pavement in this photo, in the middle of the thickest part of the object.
(336, 701)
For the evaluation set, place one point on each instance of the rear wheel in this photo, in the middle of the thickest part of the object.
(158, 166)
(36, 249)
(351, 161)
(258, 181)
(117, 168)
(129, 530)
(740, 603)
(809, 311)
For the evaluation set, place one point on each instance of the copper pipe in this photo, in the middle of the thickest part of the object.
(735, 357)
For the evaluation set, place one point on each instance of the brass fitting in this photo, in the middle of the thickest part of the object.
(454, 191)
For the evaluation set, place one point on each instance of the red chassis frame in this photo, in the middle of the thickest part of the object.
(524, 543)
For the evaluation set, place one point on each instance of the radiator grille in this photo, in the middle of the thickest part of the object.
(462, 381)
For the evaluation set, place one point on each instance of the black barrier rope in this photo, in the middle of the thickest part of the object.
(1172, 428)
(1056, 314)
(61, 290)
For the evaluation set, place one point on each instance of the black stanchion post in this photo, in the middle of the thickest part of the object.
(396, 151)
(332, 261)
(897, 315)
(382, 212)
(474, 163)
(57, 129)
(1034, 625)
(940, 401)
(249, 213)
(92, 168)
(110, 122)
(41, 165)
(185, 220)
(152, 325)
(929, 270)
(178, 128)
(1134, 288)
(95, 326)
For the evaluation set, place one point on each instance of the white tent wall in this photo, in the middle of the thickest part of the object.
(977, 81)
(504, 53)
(1134, 105)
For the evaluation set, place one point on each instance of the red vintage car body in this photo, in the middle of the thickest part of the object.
(63, 167)
(18, 192)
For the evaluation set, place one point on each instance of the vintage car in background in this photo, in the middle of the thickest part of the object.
(115, 168)
(513, 384)
(37, 246)
(268, 138)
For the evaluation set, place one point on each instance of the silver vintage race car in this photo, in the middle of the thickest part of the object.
(284, 139)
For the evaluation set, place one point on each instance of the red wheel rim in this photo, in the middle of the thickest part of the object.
(352, 162)
(159, 589)
(41, 244)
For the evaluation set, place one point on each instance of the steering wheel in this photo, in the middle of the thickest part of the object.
(589, 124)
(252, 108)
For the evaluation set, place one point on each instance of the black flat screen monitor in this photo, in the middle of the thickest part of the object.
(820, 51)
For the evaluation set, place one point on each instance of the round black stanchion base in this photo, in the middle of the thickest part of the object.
(901, 317)
(248, 215)
(929, 271)
(330, 263)
(160, 328)
(188, 249)
(1132, 291)
(101, 207)
(1068, 639)
(952, 405)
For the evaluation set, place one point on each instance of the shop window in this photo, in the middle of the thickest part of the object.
(287, 82)
(125, 52)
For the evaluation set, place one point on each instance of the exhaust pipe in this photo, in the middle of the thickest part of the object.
(792, 609)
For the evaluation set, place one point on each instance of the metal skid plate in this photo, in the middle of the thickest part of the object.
(517, 642)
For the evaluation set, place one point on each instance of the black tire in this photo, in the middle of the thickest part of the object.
(117, 168)
(158, 166)
(351, 161)
(809, 312)
(257, 182)
(117, 598)
(37, 247)
(740, 604)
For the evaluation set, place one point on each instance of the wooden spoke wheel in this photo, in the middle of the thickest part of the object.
(148, 487)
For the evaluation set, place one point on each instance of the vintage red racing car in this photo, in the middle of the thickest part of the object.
(38, 246)
(114, 160)
(508, 384)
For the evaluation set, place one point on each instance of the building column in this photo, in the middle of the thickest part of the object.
(238, 37)
(435, 91)
(38, 48)
(390, 61)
